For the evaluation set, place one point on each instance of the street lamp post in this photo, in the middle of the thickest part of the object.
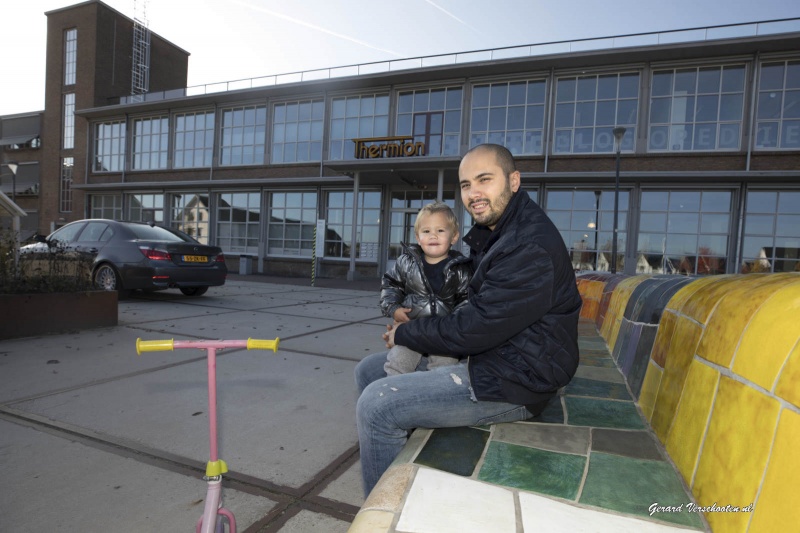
(13, 166)
(619, 133)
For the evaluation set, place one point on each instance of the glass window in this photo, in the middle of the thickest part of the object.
(190, 213)
(291, 223)
(696, 109)
(243, 136)
(69, 121)
(70, 55)
(588, 108)
(238, 220)
(109, 146)
(684, 232)
(355, 117)
(339, 219)
(150, 138)
(194, 139)
(106, 206)
(433, 117)
(146, 208)
(778, 106)
(771, 232)
(297, 131)
(585, 219)
(511, 113)
(65, 185)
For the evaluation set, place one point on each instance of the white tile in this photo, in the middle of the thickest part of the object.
(445, 503)
(544, 514)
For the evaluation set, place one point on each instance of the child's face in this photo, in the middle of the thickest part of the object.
(435, 236)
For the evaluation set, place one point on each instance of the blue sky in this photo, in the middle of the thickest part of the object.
(236, 39)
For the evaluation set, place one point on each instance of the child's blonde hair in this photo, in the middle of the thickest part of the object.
(437, 207)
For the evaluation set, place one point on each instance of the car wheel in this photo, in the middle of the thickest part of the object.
(194, 291)
(106, 278)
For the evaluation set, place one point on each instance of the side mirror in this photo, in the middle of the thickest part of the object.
(40, 238)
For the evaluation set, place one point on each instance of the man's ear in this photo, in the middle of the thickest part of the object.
(514, 180)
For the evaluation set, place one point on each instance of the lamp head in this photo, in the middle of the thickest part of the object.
(12, 166)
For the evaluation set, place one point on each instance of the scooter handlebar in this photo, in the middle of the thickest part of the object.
(154, 346)
(263, 344)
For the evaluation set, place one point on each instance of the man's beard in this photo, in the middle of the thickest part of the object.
(496, 208)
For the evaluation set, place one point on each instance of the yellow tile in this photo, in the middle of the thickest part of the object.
(688, 290)
(776, 508)
(788, 386)
(735, 452)
(691, 418)
(625, 289)
(652, 380)
(733, 313)
(703, 301)
(770, 336)
(666, 328)
(679, 354)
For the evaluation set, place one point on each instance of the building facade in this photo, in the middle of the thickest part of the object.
(327, 169)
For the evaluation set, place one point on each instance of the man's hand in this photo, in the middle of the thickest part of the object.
(389, 335)
(401, 315)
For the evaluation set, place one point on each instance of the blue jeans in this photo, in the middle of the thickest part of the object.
(388, 407)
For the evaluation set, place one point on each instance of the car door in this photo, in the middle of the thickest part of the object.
(91, 241)
(53, 256)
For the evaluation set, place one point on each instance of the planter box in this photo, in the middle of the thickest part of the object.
(27, 315)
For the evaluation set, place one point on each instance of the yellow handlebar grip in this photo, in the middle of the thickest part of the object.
(263, 344)
(153, 346)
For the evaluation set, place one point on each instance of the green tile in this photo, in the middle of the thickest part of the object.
(637, 444)
(603, 361)
(631, 486)
(454, 450)
(602, 413)
(598, 389)
(552, 414)
(552, 473)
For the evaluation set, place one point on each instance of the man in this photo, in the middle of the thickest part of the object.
(516, 337)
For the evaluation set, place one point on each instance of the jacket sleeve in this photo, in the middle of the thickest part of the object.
(517, 290)
(393, 286)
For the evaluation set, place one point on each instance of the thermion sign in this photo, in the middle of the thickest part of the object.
(380, 147)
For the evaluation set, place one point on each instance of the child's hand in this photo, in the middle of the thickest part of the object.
(401, 315)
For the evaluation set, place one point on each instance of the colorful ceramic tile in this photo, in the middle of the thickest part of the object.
(556, 474)
(636, 444)
(770, 336)
(545, 514)
(471, 507)
(602, 413)
(691, 419)
(732, 315)
(629, 353)
(679, 355)
(641, 359)
(598, 389)
(680, 298)
(650, 386)
(776, 508)
(553, 413)
(666, 329)
(700, 306)
(601, 373)
(735, 452)
(632, 486)
(454, 450)
(565, 439)
(788, 386)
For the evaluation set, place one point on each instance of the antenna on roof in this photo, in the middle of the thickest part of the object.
(140, 64)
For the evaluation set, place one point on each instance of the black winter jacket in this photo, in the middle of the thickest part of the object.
(405, 285)
(520, 327)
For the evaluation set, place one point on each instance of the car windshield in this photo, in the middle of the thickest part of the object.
(155, 233)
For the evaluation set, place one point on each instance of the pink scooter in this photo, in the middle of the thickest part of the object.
(214, 514)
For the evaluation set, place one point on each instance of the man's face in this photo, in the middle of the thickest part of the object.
(485, 190)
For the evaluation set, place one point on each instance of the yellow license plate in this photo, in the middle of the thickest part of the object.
(194, 259)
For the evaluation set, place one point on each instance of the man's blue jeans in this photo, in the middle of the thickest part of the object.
(388, 407)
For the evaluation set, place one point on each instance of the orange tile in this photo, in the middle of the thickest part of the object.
(735, 452)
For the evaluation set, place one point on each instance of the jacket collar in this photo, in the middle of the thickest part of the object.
(480, 238)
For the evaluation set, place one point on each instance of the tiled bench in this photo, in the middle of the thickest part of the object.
(713, 378)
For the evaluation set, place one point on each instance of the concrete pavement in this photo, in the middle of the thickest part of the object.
(94, 438)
